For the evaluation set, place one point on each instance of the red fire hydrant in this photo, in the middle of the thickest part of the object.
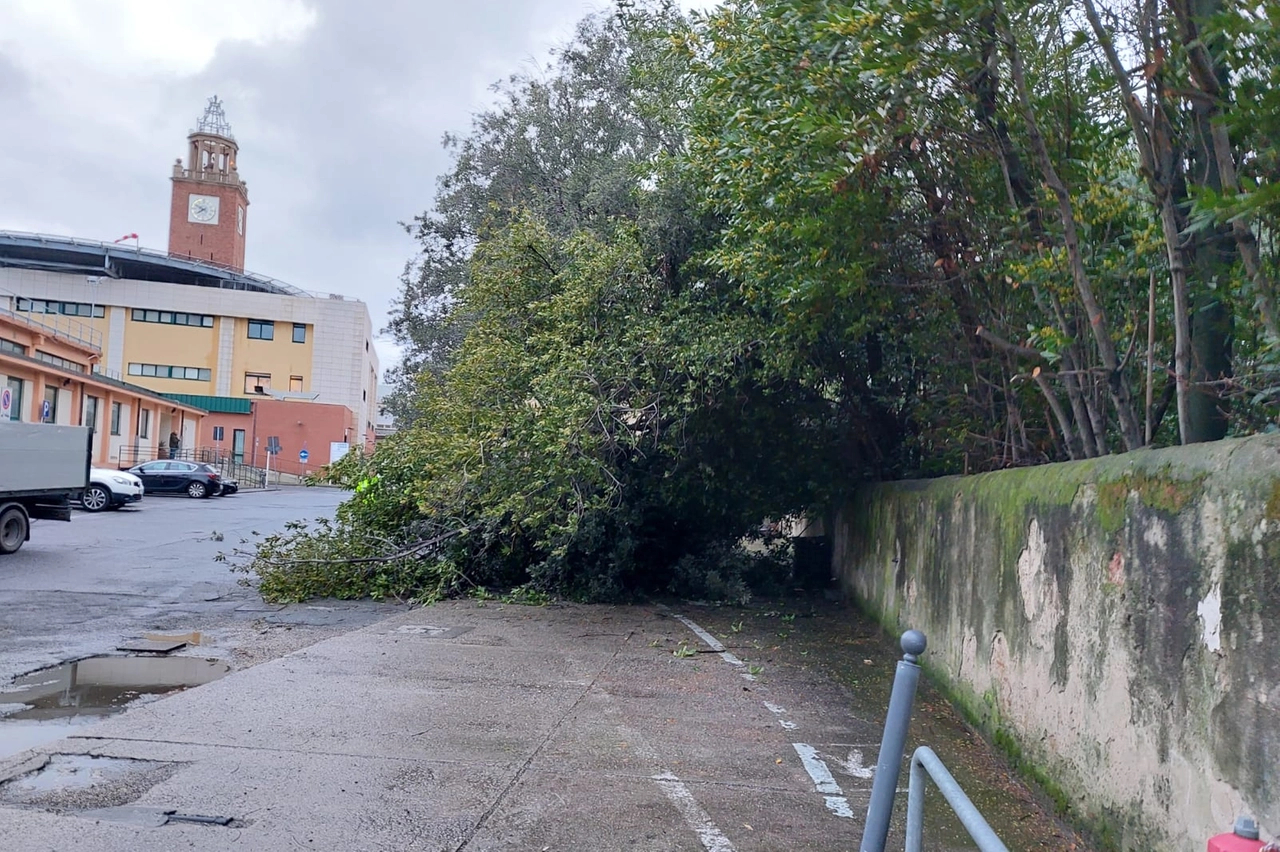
(1243, 839)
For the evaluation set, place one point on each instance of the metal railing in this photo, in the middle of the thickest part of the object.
(225, 463)
(925, 767)
(58, 326)
(889, 765)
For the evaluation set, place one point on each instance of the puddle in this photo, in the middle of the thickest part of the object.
(79, 781)
(50, 704)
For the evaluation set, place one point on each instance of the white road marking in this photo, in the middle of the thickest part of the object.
(714, 644)
(853, 765)
(818, 771)
(839, 806)
(713, 840)
(786, 724)
(823, 781)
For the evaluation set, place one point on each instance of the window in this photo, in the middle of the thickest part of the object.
(364, 395)
(15, 403)
(237, 445)
(295, 384)
(51, 400)
(257, 382)
(115, 418)
(299, 332)
(262, 330)
(71, 309)
(172, 318)
(240, 220)
(144, 423)
(168, 371)
(90, 413)
(11, 347)
(59, 362)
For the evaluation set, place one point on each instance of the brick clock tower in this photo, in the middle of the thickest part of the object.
(210, 207)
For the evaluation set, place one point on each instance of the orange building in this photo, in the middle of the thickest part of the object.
(310, 434)
(47, 375)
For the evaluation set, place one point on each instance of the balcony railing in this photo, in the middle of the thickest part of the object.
(59, 327)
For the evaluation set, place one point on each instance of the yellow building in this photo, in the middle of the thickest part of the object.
(190, 321)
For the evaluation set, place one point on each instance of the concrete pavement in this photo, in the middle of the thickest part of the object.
(473, 726)
(463, 726)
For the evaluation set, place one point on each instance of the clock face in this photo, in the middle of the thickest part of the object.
(203, 208)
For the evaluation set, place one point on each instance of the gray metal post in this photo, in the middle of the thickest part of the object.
(893, 744)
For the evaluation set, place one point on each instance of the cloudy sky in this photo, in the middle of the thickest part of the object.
(338, 107)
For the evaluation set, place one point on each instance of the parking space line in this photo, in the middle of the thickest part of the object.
(713, 840)
(823, 780)
(714, 644)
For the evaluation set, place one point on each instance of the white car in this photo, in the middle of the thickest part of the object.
(110, 489)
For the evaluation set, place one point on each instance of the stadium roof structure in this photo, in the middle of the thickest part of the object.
(114, 260)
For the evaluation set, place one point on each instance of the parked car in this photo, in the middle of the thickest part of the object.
(178, 477)
(229, 486)
(110, 489)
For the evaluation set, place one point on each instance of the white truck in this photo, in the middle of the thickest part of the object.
(42, 468)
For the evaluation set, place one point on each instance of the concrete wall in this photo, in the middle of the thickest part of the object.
(1115, 623)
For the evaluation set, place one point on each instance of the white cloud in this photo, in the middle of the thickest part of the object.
(339, 107)
(55, 41)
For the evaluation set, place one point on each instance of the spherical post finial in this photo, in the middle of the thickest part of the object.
(913, 644)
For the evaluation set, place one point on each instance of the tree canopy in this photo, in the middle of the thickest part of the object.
(704, 271)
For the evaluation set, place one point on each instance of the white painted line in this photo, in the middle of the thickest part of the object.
(853, 765)
(714, 644)
(823, 781)
(839, 806)
(713, 840)
(786, 724)
(711, 641)
(818, 771)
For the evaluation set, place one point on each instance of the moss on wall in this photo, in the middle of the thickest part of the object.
(1100, 620)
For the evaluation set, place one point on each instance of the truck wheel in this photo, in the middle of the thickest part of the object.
(197, 490)
(13, 529)
(95, 498)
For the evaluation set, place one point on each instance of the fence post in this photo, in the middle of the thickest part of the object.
(893, 743)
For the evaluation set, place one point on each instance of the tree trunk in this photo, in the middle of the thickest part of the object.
(1117, 381)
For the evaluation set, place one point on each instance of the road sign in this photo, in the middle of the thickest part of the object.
(45, 411)
(273, 445)
(6, 403)
(303, 455)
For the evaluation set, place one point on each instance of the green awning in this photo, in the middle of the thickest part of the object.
(214, 404)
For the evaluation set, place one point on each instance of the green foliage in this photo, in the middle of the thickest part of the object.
(708, 271)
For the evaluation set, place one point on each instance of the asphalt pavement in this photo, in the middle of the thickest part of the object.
(81, 588)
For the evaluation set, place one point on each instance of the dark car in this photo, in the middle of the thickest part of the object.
(178, 477)
(229, 486)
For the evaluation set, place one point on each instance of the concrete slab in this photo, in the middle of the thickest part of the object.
(499, 727)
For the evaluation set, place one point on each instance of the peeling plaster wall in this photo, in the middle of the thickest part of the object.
(1114, 622)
